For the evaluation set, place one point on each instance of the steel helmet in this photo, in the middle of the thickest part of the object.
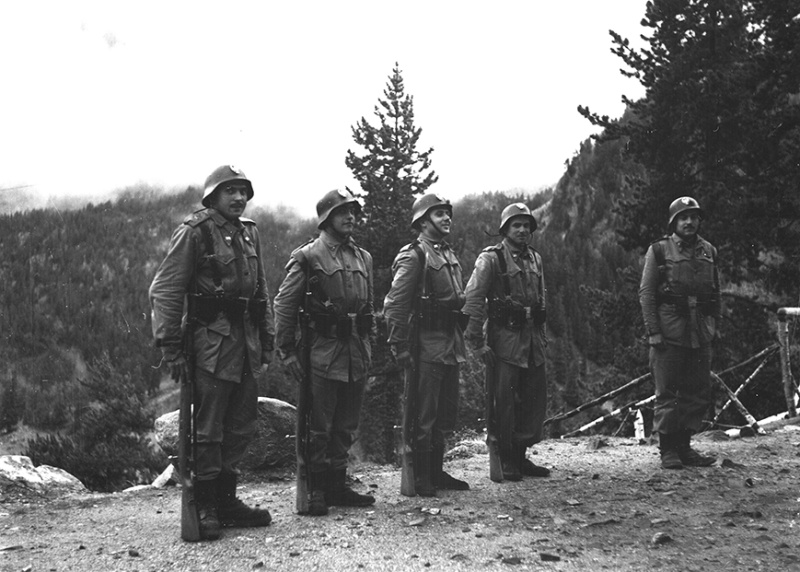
(682, 204)
(221, 175)
(516, 209)
(333, 200)
(425, 203)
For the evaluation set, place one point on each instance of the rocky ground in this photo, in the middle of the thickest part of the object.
(607, 506)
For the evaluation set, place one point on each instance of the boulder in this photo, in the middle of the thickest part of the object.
(273, 446)
(17, 470)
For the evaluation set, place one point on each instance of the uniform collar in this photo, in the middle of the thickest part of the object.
(332, 242)
(517, 252)
(220, 220)
(683, 244)
(440, 246)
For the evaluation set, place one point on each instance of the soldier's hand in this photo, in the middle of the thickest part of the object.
(487, 355)
(404, 359)
(295, 369)
(179, 369)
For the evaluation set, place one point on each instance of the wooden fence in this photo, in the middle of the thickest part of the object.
(790, 389)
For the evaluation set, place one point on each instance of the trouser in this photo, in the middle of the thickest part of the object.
(226, 415)
(520, 403)
(437, 403)
(683, 387)
(335, 407)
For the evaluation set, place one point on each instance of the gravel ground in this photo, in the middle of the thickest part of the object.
(607, 506)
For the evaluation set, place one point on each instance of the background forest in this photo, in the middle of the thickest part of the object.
(720, 121)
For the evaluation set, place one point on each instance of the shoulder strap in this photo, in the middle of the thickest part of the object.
(661, 261)
(501, 261)
(216, 273)
(423, 260)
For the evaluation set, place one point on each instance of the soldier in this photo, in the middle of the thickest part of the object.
(509, 278)
(338, 273)
(426, 281)
(214, 260)
(679, 295)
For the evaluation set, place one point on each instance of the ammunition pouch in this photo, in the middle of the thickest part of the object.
(513, 316)
(683, 304)
(433, 317)
(342, 327)
(206, 308)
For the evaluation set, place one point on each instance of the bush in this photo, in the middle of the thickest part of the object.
(107, 445)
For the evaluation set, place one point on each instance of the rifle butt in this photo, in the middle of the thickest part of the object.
(190, 521)
(407, 486)
(190, 518)
(495, 462)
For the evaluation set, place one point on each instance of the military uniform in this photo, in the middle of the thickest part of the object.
(441, 337)
(214, 257)
(680, 301)
(507, 287)
(341, 324)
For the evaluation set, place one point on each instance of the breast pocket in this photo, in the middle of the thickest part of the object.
(329, 272)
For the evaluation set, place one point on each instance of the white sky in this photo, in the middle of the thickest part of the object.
(100, 96)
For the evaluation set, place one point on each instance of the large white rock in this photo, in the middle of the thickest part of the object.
(274, 445)
(19, 470)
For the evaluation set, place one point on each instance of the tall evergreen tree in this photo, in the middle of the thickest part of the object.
(391, 172)
(720, 121)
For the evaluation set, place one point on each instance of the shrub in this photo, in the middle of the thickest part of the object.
(107, 445)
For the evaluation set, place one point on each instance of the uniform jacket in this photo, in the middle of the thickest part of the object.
(345, 277)
(222, 345)
(526, 281)
(445, 285)
(689, 270)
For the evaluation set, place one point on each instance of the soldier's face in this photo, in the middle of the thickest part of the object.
(437, 223)
(230, 200)
(343, 220)
(518, 231)
(687, 224)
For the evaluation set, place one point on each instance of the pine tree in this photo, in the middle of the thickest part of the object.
(391, 172)
(720, 121)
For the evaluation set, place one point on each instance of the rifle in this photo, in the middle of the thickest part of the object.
(187, 438)
(303, 472)
(410, 417)
(495, 464)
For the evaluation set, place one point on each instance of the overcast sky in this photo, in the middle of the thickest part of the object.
(101, 96)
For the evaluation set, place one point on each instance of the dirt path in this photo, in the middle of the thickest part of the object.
(607, 506)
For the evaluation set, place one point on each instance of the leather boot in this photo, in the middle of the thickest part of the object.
(527, 467)
(668, 446)
(422, 475)
(440, 478)
(205, 495)
(317, 506)
(232, 511)
(688, 456)
(342, 495)
(510, 465)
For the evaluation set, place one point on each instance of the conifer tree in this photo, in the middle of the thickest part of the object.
(391, 172)
(720, 121)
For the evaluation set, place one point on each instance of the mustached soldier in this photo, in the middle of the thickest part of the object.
(679, 295)
(427, 272)
(340, 274)
(214, 258)
(509, 279)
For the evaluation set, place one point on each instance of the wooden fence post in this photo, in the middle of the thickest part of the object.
(789, 385)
